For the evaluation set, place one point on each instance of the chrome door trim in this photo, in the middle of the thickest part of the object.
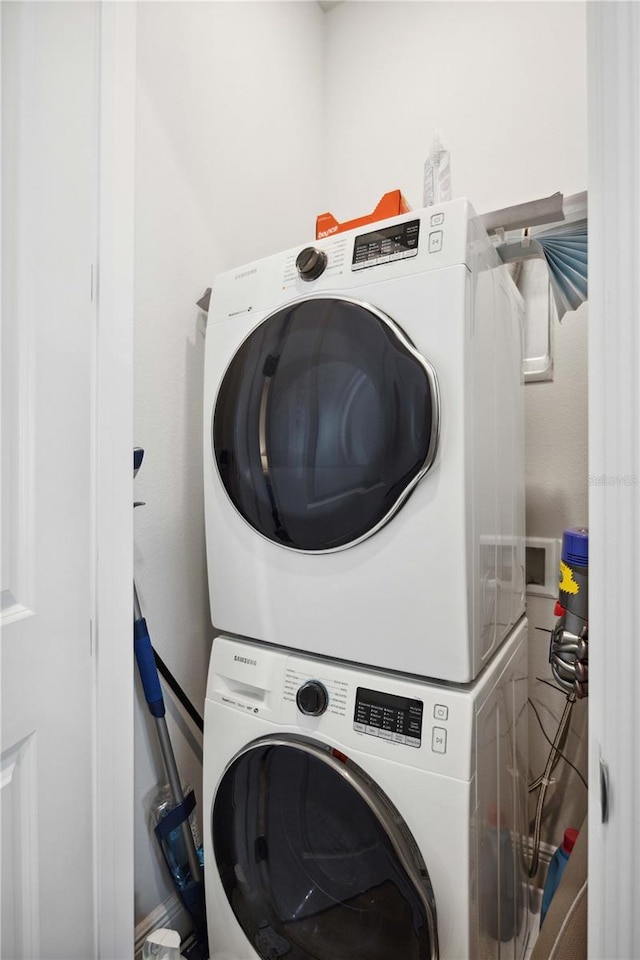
(434, 439)
(383, 809)
(262, 429)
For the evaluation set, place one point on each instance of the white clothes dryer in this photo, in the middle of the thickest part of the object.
(356, 815)
(364, 447)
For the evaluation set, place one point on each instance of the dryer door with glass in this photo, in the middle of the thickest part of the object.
(315, 861)
(325, 420)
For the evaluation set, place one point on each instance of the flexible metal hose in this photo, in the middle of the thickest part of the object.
(545, 779)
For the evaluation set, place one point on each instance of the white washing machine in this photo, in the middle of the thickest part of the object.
(364, 447)
(352, 814)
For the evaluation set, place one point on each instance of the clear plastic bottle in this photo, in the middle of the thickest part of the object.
(500, 885)
(162, 944)
(174, 846)
(556, 868)
(437, 173)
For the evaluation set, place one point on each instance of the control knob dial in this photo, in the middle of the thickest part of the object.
(312, 698)
(310, 263)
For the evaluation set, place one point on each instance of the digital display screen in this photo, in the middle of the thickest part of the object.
(382, 246)
(385, 715)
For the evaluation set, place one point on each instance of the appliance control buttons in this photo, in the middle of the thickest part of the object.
(439, 740)
(440, 712)
(437, 219)
(311, 263)
(312, 698)
(435, 241)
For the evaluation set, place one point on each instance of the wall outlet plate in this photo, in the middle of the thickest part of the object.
(542, 562)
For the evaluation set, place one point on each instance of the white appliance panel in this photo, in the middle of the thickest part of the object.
(444, 799)
(436, 589)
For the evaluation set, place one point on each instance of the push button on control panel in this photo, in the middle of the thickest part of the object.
(440, 712)
(435, 241)
(437, 219)
(439, 740)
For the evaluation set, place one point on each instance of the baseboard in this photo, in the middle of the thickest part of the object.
(170, 913)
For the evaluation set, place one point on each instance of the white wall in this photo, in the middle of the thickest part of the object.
(228, 169)
(506, 82)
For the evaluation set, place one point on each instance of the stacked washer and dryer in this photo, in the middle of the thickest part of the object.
(365, 757)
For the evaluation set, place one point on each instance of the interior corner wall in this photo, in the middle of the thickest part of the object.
(506, 85)
(229, 97)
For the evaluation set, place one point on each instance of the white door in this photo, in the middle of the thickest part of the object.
(49, 224)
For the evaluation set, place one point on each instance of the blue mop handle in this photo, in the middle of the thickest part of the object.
(147, 667)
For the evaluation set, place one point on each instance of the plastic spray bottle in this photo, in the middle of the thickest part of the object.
(556, 869)
(500, 883)
(172, 839)
(437, 173)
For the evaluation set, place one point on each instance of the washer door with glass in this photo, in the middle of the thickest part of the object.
(326, 419)
(315, 861)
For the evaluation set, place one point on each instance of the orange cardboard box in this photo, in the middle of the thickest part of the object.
(391, 205)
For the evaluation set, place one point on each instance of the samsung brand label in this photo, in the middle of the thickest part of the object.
(247, 660)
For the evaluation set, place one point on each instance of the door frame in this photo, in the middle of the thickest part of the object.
(112, 482)
(613, 35)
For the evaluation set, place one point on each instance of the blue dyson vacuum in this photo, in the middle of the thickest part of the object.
(569, 650)
(568, 656)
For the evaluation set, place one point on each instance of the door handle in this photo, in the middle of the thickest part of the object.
(604, 791)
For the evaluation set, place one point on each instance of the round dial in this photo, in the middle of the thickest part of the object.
(310, 263)
(312, 698)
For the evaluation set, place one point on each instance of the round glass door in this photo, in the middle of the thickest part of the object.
(315, 861)
(326, 419)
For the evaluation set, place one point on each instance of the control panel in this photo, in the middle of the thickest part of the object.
(387, 716)
(399, 242)
(359, 711)
(422, 240)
